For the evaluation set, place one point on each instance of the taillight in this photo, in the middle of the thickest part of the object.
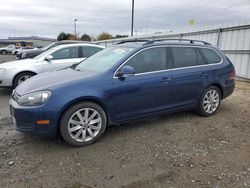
(232, 74)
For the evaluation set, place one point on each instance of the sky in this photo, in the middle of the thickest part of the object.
(47, 18)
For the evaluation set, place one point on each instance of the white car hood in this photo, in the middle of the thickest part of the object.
(15, 64)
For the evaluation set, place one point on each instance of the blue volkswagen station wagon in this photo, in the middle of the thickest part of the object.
(133, 79)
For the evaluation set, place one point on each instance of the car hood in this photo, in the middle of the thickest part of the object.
(15, 64)
(52, 80)
(32, 50)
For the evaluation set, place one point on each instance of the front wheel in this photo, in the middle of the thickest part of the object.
(83, 124)
(20, 78)
(210, 101)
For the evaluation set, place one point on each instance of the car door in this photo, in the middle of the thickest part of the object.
(149, 90)
(189, 75)
(62, 58)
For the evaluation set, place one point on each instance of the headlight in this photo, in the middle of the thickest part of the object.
(34, 99)
(2, 71)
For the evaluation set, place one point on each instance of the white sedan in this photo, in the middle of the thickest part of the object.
(15, 72)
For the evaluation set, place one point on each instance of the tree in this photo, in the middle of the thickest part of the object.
(104, 36)
(62, 36)
(85, 37)
(121, 36)
(71, 37)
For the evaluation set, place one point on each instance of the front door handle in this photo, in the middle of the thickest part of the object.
(165, 79)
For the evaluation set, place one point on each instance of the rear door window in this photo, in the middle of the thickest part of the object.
(186, 57)
(211, 56)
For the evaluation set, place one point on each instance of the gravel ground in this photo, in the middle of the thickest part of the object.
(179, 150)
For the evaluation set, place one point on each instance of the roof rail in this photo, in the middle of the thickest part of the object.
(132, 40)
(180, 40)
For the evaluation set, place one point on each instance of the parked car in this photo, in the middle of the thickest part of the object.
(22, 49)
(122, 83)
(34, 52)
(15, 72)
(7, 49)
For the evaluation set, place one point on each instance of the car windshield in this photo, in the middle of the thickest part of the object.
(104, 59)
(48, 46)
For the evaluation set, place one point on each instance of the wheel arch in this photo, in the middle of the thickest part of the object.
(80, 100)
(219, 86)
(3, 50)
(28, 71)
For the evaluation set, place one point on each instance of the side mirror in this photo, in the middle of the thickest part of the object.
(126, 71)
(48, 58)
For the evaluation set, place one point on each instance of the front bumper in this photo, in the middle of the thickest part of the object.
(5, 82)
(25, 119)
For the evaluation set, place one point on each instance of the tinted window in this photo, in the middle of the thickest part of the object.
(186, 56)
(88, 51)
(66, 53)
(200, 59)
(153, 59)
(211, 56)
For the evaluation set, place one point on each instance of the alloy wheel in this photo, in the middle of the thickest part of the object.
(211, 101)
(23, 78)
(84, 124)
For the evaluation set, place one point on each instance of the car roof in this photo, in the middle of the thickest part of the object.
(182, 42)
(77, 44)
(70, 41)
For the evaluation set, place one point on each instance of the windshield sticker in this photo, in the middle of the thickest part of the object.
(119, 51)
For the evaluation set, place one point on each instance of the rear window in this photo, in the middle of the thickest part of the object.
(88, 51)
(186, 57)
(211, 56)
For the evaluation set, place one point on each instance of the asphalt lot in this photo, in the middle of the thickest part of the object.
(5, 58)
(178, 150)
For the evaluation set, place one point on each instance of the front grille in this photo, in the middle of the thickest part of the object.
(24, 126)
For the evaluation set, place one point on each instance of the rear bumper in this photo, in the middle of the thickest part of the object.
(228, 90)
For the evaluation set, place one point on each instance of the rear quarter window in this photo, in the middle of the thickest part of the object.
(186, 57)
(88, 51)
(211, 56)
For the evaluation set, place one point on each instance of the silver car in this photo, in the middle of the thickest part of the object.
(15, 72)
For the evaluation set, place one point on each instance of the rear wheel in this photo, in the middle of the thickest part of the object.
(83, 124)
(22, 77)
(210, 101)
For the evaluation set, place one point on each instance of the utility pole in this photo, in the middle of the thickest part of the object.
(132, 21)
(75, 27)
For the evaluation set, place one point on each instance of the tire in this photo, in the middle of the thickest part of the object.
(75, 127)
(3, 52)
(21, 78)
(209, 102)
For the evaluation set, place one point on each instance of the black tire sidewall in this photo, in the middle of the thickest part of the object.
(63, 127)
(201, 109)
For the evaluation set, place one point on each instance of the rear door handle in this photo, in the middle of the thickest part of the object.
(165, 79)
